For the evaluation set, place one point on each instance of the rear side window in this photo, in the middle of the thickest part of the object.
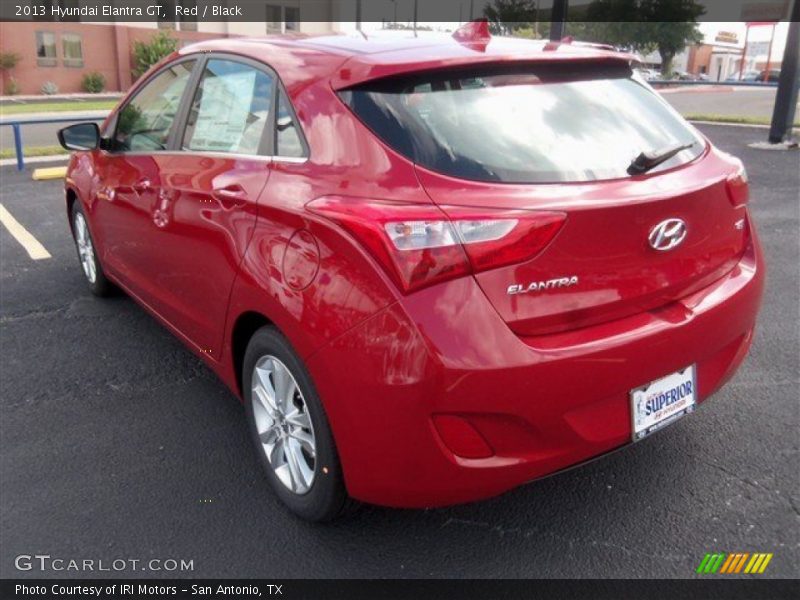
(532, 124)
(144, 123)
(230, 109)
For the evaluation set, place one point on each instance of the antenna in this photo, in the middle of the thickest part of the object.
(476, 31)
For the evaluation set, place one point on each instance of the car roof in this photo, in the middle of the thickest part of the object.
(351, 59)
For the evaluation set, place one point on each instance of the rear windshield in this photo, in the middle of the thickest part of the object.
(531, 124)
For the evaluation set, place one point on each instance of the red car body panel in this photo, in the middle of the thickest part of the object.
(544, 379)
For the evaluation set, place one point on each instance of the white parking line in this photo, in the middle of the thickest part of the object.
(32, 246)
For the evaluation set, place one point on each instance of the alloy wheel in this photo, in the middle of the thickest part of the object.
(85, 248)
(284, 425)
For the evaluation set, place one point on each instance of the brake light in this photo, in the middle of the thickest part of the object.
(738, 187)
(422, 244)
(495, 238)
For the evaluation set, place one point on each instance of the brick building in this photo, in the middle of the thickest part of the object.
(63, 52)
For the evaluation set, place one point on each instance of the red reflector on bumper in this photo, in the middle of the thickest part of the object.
(461, 438)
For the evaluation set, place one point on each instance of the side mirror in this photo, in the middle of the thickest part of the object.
(81, 136)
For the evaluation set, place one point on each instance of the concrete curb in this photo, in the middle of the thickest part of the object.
(34, 160)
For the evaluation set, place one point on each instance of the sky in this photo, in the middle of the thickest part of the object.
(709, 30)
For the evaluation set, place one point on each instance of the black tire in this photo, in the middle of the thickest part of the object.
(101, 286)
(326, 497)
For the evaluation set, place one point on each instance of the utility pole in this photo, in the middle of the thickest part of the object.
(744, 50)
(788, 83)
(557, 19)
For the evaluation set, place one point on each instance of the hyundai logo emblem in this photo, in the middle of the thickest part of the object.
(667, 234)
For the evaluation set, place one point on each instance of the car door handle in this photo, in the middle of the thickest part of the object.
(230, 195)
(140, 187)
(143, 185)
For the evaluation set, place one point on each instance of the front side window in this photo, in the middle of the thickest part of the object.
(524, 124)
(288, 141)
(144, 123)
(230, 110)
(73, 50)
(45, 49)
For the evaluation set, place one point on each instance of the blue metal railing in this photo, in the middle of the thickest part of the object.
(690, 82)
(16, 126)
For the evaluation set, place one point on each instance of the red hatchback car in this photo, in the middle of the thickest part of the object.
(433, 269)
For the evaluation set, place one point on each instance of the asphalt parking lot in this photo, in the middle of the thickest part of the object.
(115, 442)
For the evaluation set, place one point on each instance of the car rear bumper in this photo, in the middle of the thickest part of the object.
(543, 404)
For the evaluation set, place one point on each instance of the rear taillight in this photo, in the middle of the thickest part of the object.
(421, 244)
(738, 187)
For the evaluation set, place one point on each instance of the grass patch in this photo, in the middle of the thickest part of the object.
(732, 119)
(33, 151)
(72, 106)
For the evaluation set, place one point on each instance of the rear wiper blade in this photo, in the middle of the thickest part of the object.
(651, 159)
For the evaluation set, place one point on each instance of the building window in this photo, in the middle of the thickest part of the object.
(291, 18)
(187, 22)
(72, 50)
(46, 49)
(281, 19)
(274, 19)
(166, 18)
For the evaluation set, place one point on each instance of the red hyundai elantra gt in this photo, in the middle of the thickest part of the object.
(433, 269)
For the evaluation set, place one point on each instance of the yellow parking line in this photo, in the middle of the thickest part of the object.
(32, 246)
(50, 173)
(764, 564)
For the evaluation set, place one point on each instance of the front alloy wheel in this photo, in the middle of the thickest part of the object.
(92, 269)
(85, 248)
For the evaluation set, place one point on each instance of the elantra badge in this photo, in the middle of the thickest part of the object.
(667, 234)
(539, 286)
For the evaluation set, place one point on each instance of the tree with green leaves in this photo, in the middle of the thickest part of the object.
(663, 25)
(146, 54)
(507, 16)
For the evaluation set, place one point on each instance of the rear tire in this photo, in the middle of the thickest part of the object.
(290, 429)
(92, 270)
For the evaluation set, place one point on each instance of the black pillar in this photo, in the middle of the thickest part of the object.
(788, 82)
(557, 19)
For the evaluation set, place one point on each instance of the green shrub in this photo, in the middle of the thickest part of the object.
(93, 82)
(146, 54)
(12, 89)
(49, 88)
(9, 60)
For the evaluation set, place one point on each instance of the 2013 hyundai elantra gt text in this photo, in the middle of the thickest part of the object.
(433, 269)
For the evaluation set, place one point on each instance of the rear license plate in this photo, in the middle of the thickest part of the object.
(662, 402)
